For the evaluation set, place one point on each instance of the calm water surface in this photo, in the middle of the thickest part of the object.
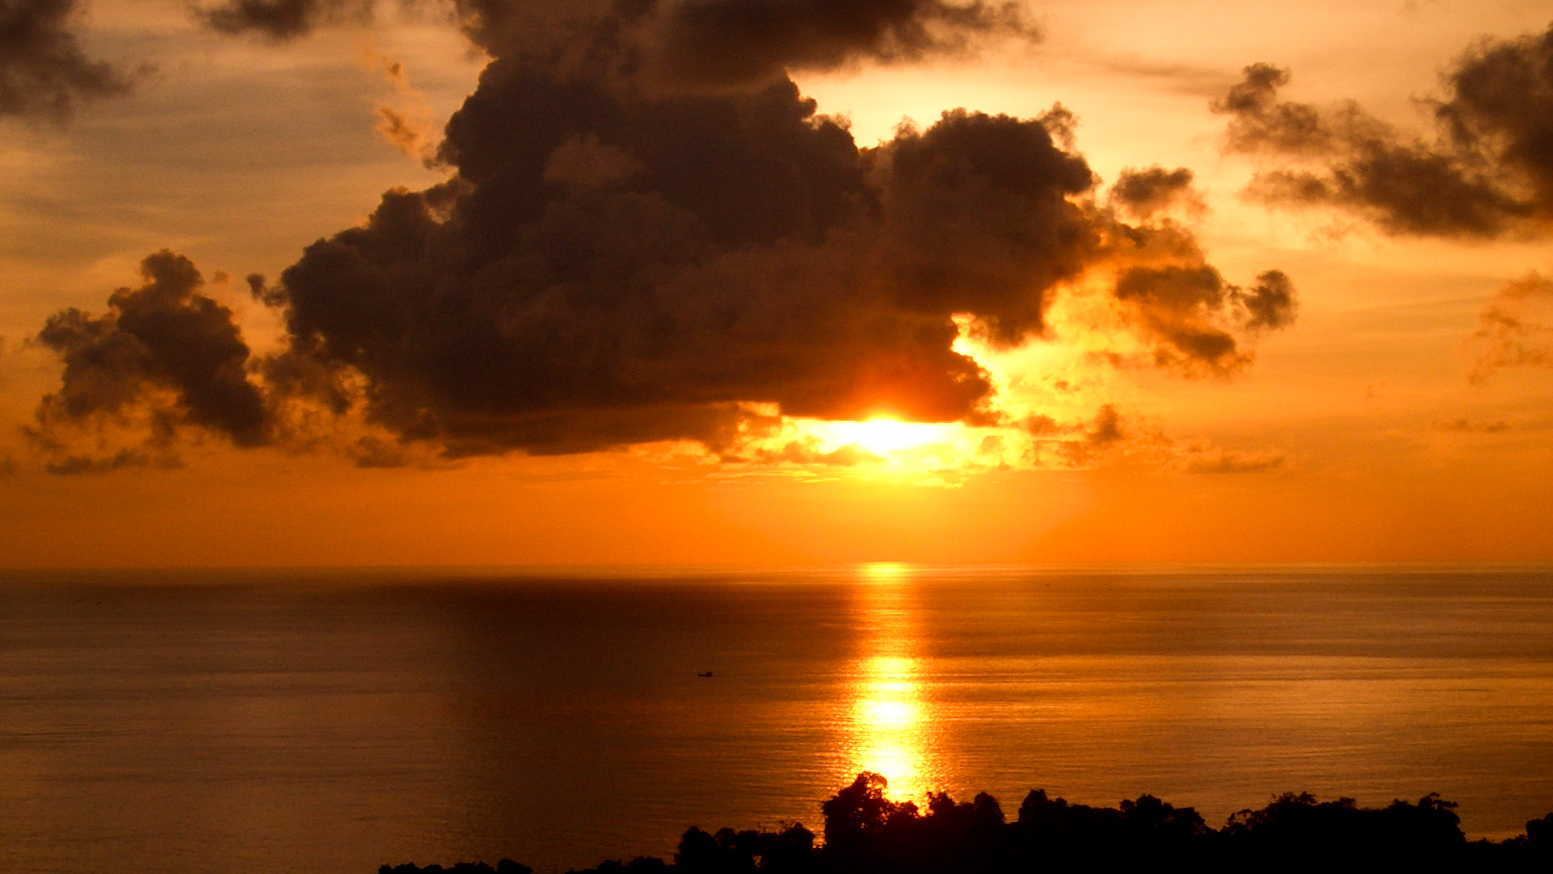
(331, 722)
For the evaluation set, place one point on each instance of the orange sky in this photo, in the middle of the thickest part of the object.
(1378, 427)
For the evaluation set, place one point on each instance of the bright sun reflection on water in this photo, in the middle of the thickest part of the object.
(890, 723)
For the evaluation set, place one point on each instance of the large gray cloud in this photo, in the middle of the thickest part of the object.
(613, 262)
(1487, 171)
(737, 249)
(42, 68)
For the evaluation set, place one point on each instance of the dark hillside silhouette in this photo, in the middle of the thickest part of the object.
(867, 833)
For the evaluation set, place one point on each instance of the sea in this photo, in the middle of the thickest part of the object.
(338, 720)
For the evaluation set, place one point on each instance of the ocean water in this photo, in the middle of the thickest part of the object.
(335, 721)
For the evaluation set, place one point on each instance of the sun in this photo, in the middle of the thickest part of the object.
(883, 435)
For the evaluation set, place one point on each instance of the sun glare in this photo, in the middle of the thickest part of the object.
(884, 435)
(884, 571)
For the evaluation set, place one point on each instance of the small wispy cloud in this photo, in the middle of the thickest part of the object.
(1515, 329)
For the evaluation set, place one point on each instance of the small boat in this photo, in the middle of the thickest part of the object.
(704, 674)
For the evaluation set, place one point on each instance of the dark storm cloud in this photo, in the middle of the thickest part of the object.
(42, 68)
(165, 335)
(610, 268)
(612, 262)
(737, 255)
(1487, 172)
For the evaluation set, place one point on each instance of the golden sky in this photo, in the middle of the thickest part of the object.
(1274, 283)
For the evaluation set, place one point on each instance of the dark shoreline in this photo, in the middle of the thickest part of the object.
(866, 833)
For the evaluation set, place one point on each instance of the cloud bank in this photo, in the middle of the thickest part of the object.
(626, 255)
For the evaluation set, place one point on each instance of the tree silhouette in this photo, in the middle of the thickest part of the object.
(867, 833)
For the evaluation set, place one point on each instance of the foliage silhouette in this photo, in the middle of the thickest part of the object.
(867, 833)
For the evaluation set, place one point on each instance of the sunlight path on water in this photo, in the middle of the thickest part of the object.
(891, 728)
